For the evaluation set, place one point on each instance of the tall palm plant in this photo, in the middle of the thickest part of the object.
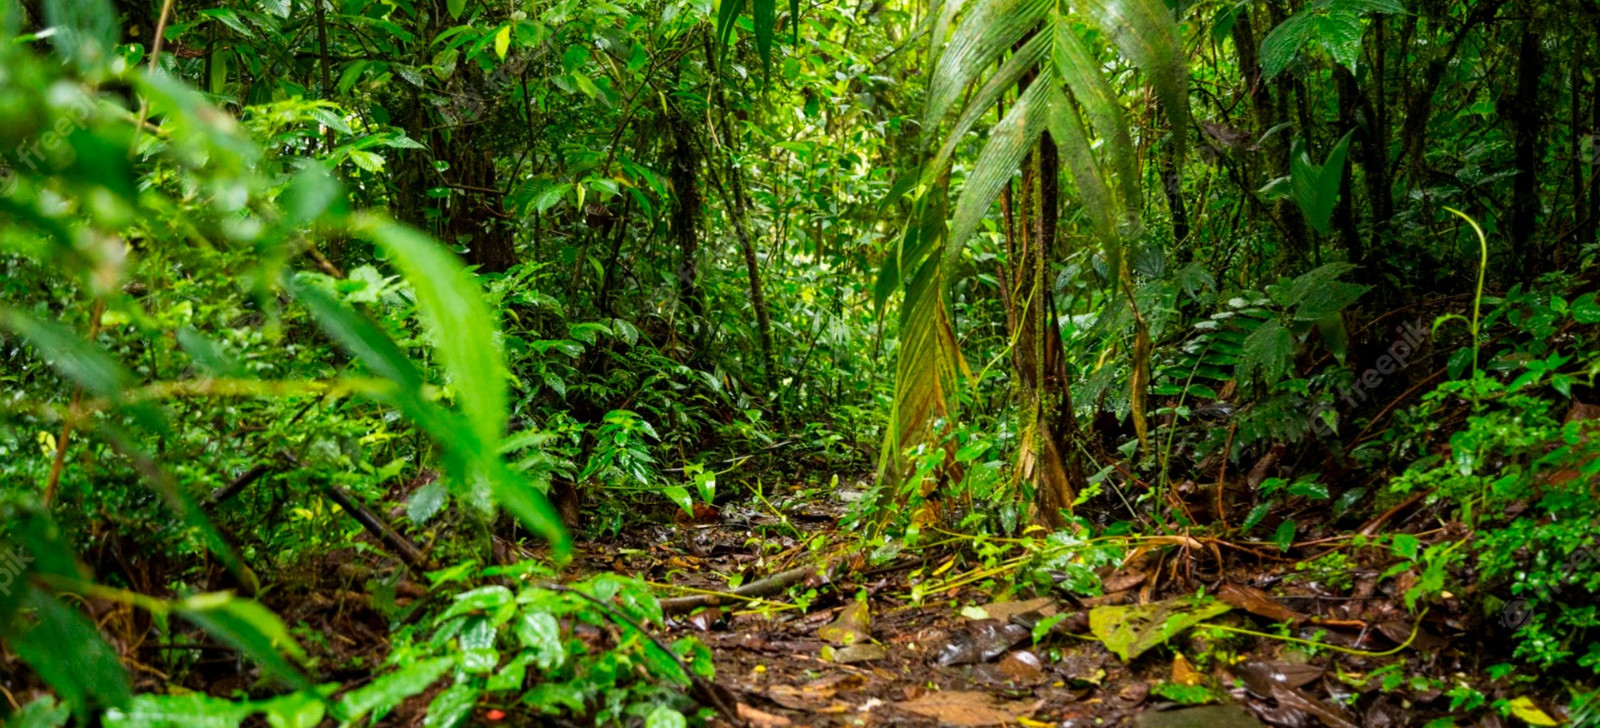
(1026, 61)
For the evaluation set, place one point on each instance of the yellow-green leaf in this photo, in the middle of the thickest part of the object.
(502, 41)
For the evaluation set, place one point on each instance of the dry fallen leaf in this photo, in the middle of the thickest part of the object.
(1257, 602)
(961, 708)
(1004, 611)
(1183, 673)
(759, 718)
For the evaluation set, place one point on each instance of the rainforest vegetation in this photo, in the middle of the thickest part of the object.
(658, 363)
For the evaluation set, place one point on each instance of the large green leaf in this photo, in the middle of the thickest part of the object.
(67, 652)
(1037, 54)
(1333, 25)
(80, 361)
(453, 310)
(384, 693)
(250, 628)
(1147, 34)
(1128, 631)
(1316, 186)
(193, 710)
(86, 30)
(452, 307)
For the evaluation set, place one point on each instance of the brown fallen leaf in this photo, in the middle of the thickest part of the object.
(1123, 581)
(760, 718)
(1183, 672)
(1399, 632)
(1260, 677)
(1304, 702)
(806, 697)
(1257, 602)
(1004, 611)
(1022, 668)
(971, 709)
(854, 653)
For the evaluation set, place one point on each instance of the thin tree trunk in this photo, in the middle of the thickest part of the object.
(1172, 185)
(1575, 152)
(684, 172)
(1374, 149)
(1527, 122)
(1345, 213)
(1050, 459)
(1594, 159)
(619, 232)
(758, 300)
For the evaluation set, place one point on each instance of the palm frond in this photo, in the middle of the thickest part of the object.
(1030, 51)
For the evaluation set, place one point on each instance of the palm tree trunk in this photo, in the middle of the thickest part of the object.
(1049, 457)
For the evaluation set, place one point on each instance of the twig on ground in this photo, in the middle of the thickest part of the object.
(767, 587)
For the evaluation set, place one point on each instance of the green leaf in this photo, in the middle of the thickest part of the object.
(1309, 489)
(1585, 310)
(250, 628)
(502, 41)
(451, 707)
(453, 311)
(41, 712)
(1146, 32)
(1268, 351)
(426, 502)
(69, 654)
(540, 633)
(482, 599)
(727, 13)
(665, 717)
(765, 12)
(86, 30)
(230, 18)
(192, 710)
(81, 362)
(312, 192)
(1255, 515)
(1284, 536)
(1316, 187)
(1334, 25)
(384, 693)
(1128, 631)
(455, 8)
(303, 709)
(680, 495)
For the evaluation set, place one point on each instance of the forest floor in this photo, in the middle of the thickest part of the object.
(865, 651)
(943, 637)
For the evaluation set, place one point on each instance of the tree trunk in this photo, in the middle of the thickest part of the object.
(1049, 457)
(1527, 123)
(684, 171)
(1589, 235)
(1374, 151)
(474, 211)
(1345, 213)
(758, 300)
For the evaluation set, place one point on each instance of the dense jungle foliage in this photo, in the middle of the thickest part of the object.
(608, 362)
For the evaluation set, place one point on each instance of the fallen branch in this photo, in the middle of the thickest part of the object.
(767, 587)
(240, 483)
(397, 543)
